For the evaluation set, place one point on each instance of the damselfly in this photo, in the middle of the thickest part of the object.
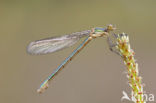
(54, 44)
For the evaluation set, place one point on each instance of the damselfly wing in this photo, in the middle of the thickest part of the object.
(54, 44)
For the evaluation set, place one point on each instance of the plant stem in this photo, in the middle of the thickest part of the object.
(127, 54)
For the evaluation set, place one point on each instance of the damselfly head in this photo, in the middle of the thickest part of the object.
(110, 28)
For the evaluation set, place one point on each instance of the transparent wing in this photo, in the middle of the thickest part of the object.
(54, 44)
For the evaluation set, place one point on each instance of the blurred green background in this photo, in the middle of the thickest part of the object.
(96, 75)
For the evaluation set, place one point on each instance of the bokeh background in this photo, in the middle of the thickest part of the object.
(96, 75)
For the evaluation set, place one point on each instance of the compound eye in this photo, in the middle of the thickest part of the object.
(110, 27)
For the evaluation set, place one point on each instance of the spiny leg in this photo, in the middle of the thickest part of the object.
(113, 45)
